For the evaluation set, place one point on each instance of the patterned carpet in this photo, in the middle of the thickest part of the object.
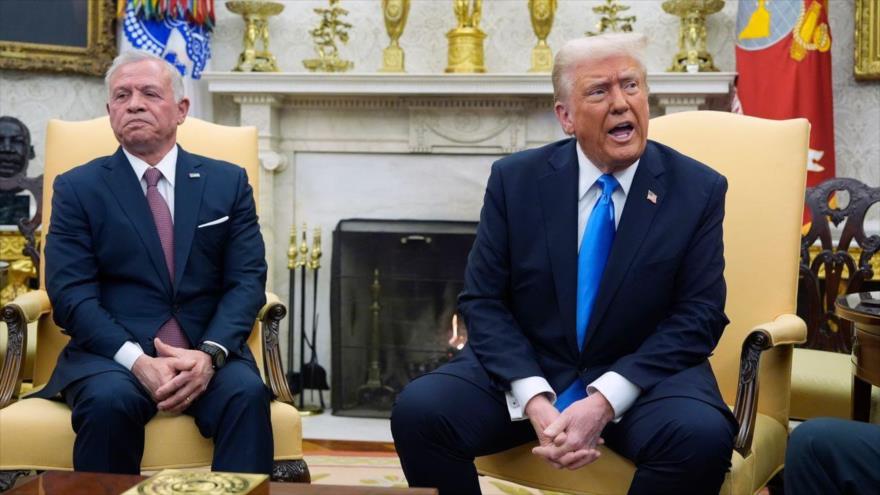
(383, 469)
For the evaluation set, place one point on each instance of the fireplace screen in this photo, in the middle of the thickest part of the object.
(393, 307)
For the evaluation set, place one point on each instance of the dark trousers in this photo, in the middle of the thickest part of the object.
(440, 423)
(110, 410)
(828, 456)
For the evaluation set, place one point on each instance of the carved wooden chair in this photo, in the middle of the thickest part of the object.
(822, 372)
(36, 434)
(763, 161)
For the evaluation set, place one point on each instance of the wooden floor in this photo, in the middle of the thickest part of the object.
(316, 447)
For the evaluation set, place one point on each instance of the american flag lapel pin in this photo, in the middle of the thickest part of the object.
(652, 197)
(196, 175)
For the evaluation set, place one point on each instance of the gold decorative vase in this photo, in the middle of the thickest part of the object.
(466, 40)
(692, 54)
(541, 12)
(395, 13)
(256, 14)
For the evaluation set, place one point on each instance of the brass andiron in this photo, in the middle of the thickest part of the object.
(373, 390)
(466, 40)
(541, 12)
(329, 30)
(256, 14)
(692, 54)
(611, 20)
(395, 13)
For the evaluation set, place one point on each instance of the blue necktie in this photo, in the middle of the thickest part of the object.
(595, 248)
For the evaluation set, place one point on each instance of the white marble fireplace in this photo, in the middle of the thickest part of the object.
(405, 146)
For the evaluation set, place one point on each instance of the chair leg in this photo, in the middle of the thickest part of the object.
(291, 471)
(7, 478)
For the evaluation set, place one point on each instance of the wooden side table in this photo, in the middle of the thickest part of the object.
(863, 310)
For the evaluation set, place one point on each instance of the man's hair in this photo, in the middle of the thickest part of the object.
(134, 56)
(593, 49)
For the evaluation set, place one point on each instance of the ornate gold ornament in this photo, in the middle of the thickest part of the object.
(541, 13)
(329, 30)
(93, 57)
(256, 14)
(395, 13)
(867, 46)
(810, 34)
(466, 40)
(611, 20)
(692, 54)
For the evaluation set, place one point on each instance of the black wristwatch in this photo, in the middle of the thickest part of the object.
(218, 357)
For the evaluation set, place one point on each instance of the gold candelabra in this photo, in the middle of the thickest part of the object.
(692, 54)
(256, 14)
(329, 30)
(395, 13)
(466, 39)
(541, 13)
(611, 19)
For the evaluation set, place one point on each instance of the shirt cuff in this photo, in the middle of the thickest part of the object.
(618, 391)
(128, 354)
(522, 391)
(225, 351)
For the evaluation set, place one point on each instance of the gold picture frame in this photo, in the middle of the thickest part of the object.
(867, 40)
(92, 53)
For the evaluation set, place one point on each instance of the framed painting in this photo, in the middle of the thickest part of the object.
(58, 35)
(867, 42)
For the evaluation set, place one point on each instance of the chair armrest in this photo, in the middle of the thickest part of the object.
(24, 309)
(270, 317)
(785, 330)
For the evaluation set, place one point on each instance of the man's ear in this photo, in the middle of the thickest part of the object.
(31, 154)
(182, 110)
(564, 118)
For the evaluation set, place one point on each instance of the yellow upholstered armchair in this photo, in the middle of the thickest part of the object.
(763, 161)
(36, 434)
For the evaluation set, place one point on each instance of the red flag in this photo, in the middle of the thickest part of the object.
(784, 62)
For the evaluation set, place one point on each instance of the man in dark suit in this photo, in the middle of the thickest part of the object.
(593, 296)
(155, 267)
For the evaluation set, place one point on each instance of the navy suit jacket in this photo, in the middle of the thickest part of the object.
(106, 273)
(660, 307)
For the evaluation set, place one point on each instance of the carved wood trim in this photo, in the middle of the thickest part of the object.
(272, 366)
(12, 372)
(842, 272)
(746, 407)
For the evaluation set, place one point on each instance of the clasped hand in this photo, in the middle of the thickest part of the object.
(569, 439)
(176, 377)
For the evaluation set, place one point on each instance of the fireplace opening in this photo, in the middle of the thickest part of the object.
(393, 289)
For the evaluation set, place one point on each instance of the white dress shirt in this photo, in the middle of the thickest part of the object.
(620, 392)
(130, 351)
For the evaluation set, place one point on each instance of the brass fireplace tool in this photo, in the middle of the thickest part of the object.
(311, 376)
(373, 391)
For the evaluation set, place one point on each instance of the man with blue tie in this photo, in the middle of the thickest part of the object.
(155, 267)
(594, 294)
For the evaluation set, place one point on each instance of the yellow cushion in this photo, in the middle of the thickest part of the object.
(821, 385)
(37, 434)
(612, 473)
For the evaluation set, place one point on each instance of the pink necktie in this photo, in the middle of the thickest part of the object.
(170, 332)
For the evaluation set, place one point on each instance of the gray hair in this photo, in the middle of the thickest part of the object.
(135, 56)
(594, 49)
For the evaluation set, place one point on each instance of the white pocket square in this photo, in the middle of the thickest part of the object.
(214, 222)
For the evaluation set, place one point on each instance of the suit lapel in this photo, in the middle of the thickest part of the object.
(125, 185)
(558, 192)
(188, 189)
(638, 214)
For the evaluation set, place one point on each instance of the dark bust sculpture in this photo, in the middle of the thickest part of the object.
(15, 149)
(16, 152)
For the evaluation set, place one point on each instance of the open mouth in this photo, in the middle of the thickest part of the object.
(622, 132)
